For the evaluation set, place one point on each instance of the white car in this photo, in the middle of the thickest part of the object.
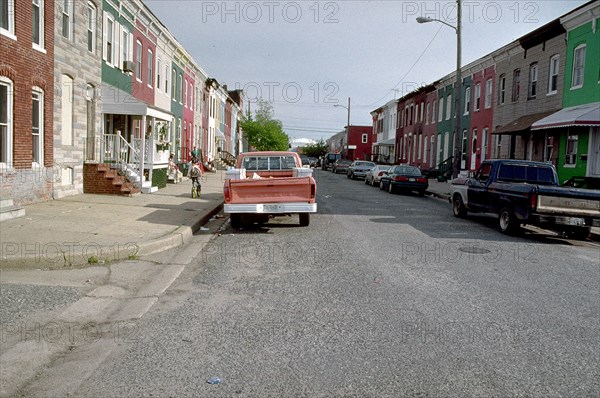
(373, 176)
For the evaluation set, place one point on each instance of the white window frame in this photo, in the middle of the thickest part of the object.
(448, 106)
(67, 19)
(40, 130)
(180, 84)
(533, 78)
(365, 138)
(39, 45)
(477, 99)
(578, 84)
(125, 46)
(108, 55)
(571, 156)
(422, 110)
(553, 70)
(167, 73)
(191, 93)
(185, 92)
(489, 84)
(433, 111)
(467, 101)
(9, 124)
(427, 113)
(441, 110)
(92, 14)
(515, 94)
(158, 73)
(174, 84)
(484, 143)
(139, 50)
(9, 30)
(150, 68)
(502, 89)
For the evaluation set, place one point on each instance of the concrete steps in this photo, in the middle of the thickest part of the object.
(8, 210)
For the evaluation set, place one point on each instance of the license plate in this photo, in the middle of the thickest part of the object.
(411, 180)
(576, 221)
(271, 208)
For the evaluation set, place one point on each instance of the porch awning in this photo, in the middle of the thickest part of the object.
(521, 124)
(118, 102)
(390, 142)
(581, 115)
(219, 134)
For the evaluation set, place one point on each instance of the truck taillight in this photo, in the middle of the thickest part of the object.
(313, 191)
(533, 200)
(227, 193)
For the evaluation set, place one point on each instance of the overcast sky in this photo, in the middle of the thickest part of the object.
(305, 56)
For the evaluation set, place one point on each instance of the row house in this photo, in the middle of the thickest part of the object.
(27, 172)
(384, 132)
(354, 142)
(576, 126)
(536, 98)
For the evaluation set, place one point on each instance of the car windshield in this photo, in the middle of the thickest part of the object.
(407, 170)
(344, 161)
(364, 164)
(383, 167)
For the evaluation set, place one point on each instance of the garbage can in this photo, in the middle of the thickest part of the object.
(183, 167)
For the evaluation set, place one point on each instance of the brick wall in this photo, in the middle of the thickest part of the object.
(101, 179)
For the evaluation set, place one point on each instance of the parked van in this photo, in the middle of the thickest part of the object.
(329, 159)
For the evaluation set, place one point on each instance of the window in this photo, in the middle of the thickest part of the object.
(166, 78)
(441, 110)
(427, 113)
(138, 61)
(150, 66)
(488, 93)
(191, 91)
(126, 45)
(448, 107)
(185, 93)
(91, 27)
(7, 18)
(417, 113)
(433, 111)
(467, 100)
(365, 138)
(516, 86)
(501, 89)
(109, 39)
(173, 85)
(533, 76)
(571, 155)
(477, 102)
(553, 74)
(67, 15)
(38, 24)
(158, 73)
(578, 66)
(422, 109)
(37, 126)
(181, 88)
(484, 146)
(6, 121)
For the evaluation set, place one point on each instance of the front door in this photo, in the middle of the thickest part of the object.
(594, 152)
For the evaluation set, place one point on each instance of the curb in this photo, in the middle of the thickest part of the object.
(177, 238)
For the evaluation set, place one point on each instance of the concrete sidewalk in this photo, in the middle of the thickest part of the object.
(442, 190)
(89, 228)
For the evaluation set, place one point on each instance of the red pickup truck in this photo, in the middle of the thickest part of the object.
(268, 184)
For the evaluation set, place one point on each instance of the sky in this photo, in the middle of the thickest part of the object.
(307, 56)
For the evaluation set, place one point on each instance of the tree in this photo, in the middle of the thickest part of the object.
(315, 150)
(263, 132)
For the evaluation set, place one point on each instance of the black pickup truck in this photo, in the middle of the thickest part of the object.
(524, 192)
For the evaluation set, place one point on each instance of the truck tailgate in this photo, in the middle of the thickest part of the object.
(572, 201)
(271, 190)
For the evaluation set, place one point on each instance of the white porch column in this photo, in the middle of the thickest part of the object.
(142, 147)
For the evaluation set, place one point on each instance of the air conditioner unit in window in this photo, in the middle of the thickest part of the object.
(127, 66)
(571, 159)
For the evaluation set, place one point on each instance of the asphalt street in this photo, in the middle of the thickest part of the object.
(382, 295)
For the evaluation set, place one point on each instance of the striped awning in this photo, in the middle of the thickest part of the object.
(581, 115)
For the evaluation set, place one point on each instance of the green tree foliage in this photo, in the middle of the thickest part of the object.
(263, 132)
(315, 150)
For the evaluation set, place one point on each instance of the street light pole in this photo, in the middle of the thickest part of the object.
(458, 86)
(348, 122)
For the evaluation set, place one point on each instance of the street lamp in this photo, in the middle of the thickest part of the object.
(348, 124)
(458, 88)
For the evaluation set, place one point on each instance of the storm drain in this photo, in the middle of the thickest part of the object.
(473, 250)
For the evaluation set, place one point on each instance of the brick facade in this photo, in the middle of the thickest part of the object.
(26, 68)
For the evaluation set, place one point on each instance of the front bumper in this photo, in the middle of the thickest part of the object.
(271, 208)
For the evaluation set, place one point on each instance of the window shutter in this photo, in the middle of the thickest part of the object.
(117, 46)
(130, 38)
(104, 35)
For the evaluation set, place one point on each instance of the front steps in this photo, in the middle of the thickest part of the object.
(8, 210)
(102, 179)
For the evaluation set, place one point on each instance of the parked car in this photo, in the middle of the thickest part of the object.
(359, 168)
(524, 192)
(373, 175)
(341, 166)
(312, 161)
(305, 161)
(404, 178)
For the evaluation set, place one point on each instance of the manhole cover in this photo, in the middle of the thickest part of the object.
(474, 250)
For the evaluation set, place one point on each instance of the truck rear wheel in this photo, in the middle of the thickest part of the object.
(235, 220)
(304, 219)
(507, 221)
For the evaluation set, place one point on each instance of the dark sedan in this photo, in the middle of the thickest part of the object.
(404, 178)
(341, 166)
